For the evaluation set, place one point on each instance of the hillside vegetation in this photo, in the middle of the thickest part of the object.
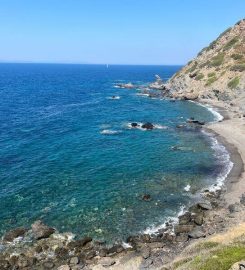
(218, 71)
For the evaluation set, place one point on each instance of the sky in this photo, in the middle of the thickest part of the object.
(150, 32)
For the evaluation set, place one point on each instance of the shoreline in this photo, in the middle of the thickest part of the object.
(150, 251)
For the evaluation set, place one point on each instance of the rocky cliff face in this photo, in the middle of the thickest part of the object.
(218, 71)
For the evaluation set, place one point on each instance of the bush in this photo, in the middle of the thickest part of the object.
(190, 70)
(210, 81)
(239, 67)
(211, 74)
(199, 77)
(217, 60)
(231, 43)
(237, 56)
(233, 83)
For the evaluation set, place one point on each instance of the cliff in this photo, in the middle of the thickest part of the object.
(217, 73)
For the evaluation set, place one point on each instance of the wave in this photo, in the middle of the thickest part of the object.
(109, 132)
(217, 116)
(223, 158)
(171, 219)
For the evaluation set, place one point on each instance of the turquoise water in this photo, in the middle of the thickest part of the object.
(58, 164)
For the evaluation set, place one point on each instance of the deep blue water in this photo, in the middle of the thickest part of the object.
(55, 164)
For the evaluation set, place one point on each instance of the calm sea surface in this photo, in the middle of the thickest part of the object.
(68, 157)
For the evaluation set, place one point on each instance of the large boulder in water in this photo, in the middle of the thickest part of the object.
(40, 230)
(148, 126)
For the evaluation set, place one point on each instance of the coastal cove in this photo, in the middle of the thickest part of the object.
(212, 196)
(179, 159)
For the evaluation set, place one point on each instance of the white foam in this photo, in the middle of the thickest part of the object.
(109, 132)
(187, 188)
(224, 160)
(114, 97)
(173, 220)
(217, 116)
(126, 245)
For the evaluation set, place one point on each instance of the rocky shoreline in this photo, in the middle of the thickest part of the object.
(42, 247)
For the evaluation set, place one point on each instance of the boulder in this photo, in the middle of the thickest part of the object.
(12, 234)
(197, 233)
(148, 126)
(106, 262)
(198, 218)
(74, 260)
(48, 265)
(234, 208)
(145, 252)
(64, 267)
(205, 205)
(182, 237)
(40, 230)
(185, 218)
(178, 229)
(134, 124)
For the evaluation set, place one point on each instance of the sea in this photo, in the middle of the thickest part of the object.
(69, 156)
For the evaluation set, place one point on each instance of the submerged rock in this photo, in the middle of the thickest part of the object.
(146, 197)
(12, 234)
(40, 230)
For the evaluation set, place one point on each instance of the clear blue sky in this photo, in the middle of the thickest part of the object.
(112, 31)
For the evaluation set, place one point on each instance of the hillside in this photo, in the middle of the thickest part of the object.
(218, 71)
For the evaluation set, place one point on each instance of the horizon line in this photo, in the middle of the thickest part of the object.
(101, 64)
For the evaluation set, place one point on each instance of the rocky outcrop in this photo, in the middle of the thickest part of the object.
(218, 71)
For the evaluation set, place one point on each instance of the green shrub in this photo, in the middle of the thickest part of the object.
(217, 60)
(191, 69)
(231, 43)
(210, 81)
(237, 56)
(211, 74)
(238, 67)
(233, 83)
(199, 77)
(221, 259)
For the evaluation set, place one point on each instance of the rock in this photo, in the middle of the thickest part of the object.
(198, 218)
(23, 261)
(241, 265)
(148, 126)
(185, 218)
(74, 260)
(61, 253)
(38, 249)
(156, 245)
(147, 263)
(48, 265)
(13, 260)
(115, 249)
(197, 233)
(182, 237)
(91, 254)
(134, 124)
(4, 264)
(146, 197)
(103, 252)
(80, 243)
(183, 228)
(145, 252)
(234, 208)
(106, 262)
(205, 205)
(41, 230)
(242, 200)
(12, 234)
(64, 267)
